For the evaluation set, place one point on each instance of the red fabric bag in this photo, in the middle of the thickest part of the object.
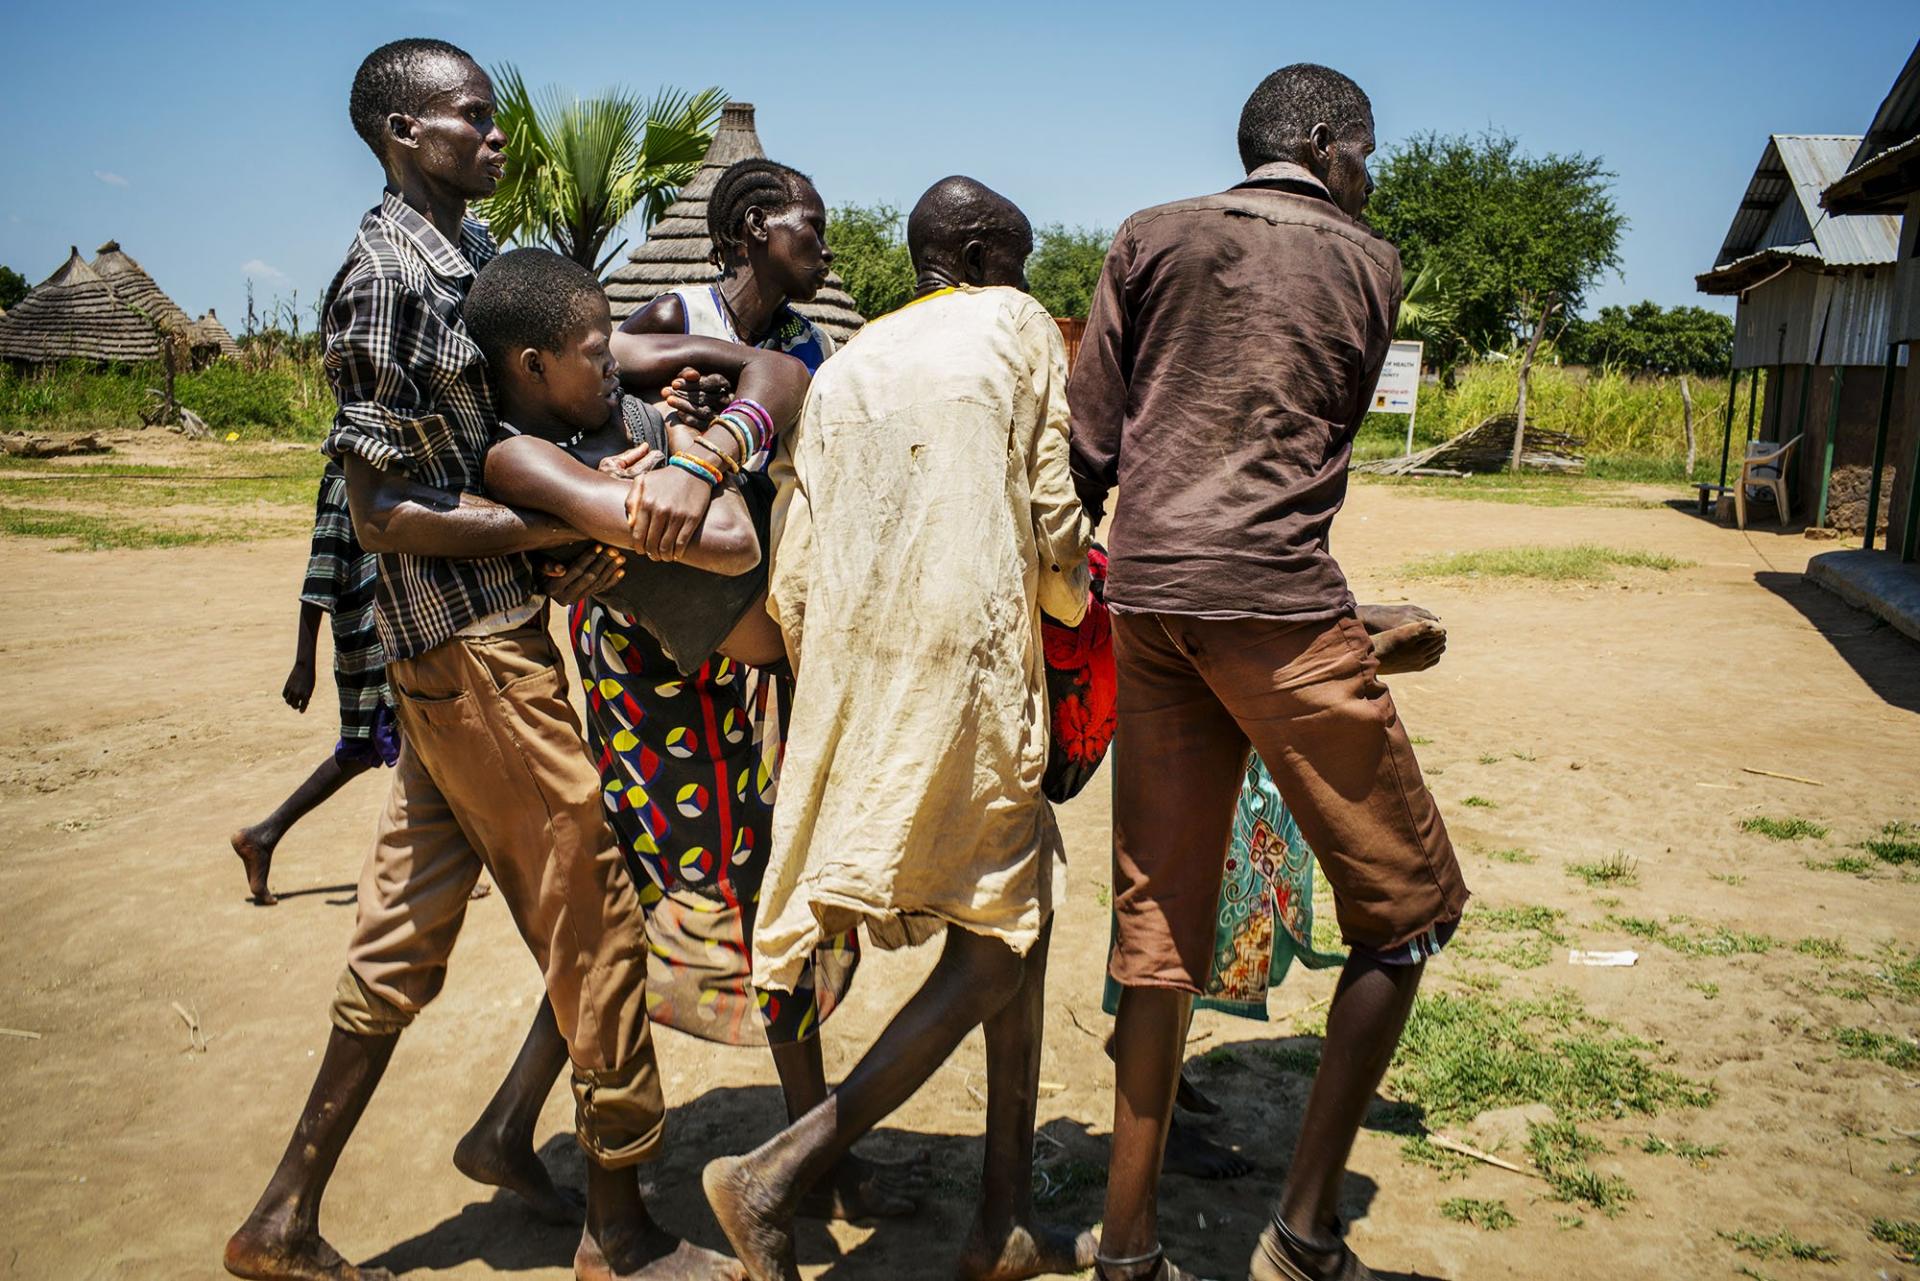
(1081, 690)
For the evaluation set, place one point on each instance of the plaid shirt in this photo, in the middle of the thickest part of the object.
(413, 398)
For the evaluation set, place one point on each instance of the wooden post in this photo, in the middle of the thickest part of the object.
(1526, 366)
(1910, 540)
(1880, 444)
(1686, 407)
(1753, 397)
(1726, 440)
(1833, 430)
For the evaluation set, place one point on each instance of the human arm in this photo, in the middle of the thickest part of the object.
(664, 524)
(529, 472)
(298, 691)
(1098, 387)
(1062, 531)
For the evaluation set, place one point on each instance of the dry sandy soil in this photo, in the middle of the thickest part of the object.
(140, 721)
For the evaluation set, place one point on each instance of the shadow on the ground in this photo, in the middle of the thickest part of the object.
(1886, 660)
(350, 890)
(1209, 1227)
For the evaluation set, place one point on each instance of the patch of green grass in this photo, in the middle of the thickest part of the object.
(1523, 756)
(1865, 1043)
(1463, 1054)
(1902, 1234)
(1560, 1151)
(1781, 1245)
(1694, 1154)
(1488, 758)
(1539, 925)
(1568, 1222)
(1488, 1216)
(1102, 893)
(1301, 1060)
(1584, 563)
(1066, 1179)
(1711, 991)
(1784, 829)
(1843, 863)
(1526, 489)
(1727, 878)
(1827, 949)
(1479, 803)
(1899, 975)
(1222, 1056)
(1615, 869)
(1718, 941)
(1898, 842)
(1421, 740)
(1515, 855)
(99, 533)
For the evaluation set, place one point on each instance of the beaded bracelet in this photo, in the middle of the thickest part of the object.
(693, 466)
(738, 420)
(756, 413)
(742, 434)
(728, 465)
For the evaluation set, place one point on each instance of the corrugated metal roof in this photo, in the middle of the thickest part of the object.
(1898, 119)
(1799, 167)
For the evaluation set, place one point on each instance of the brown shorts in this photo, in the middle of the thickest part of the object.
(493, 774)
(1195, 694)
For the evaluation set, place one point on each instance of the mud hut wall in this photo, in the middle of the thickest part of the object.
(1859, 420)
(1902, 435)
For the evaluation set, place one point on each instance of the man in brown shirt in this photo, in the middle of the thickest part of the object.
(1233, 344)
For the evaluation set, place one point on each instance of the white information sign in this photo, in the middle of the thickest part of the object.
(1399, 385)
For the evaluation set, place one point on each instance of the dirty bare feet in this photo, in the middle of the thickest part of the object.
(1193, 1154)
(759, 1228)
(256, 855)
(488, 1156)
(858, 1189)
(1413, 647)
(653, 1257)
(269, 1250)
(1384, 618)
(1025, 1250)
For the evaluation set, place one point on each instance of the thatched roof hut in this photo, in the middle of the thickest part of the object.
(139, 290)
(75, 315)
(677, 249)
(210, 334)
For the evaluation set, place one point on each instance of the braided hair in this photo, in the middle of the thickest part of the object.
(747, 184)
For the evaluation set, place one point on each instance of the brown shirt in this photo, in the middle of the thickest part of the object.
(1233, 344)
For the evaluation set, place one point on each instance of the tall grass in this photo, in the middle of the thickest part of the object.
(281, 396)
(1633, 426)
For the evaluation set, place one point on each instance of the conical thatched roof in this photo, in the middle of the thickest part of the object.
(208, 332)
(677, 248)
(138, 290)
(75, 315)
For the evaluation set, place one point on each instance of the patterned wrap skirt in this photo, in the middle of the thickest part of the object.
(688, 768)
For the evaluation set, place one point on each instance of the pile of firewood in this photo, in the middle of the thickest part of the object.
(1487, 448)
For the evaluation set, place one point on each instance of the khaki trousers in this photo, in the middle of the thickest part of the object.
(493, 774)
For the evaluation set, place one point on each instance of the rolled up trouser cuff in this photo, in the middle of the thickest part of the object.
(361, 1011)
(620, 1117)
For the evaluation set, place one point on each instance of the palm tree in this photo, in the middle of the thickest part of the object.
(1430, 310)
(577, 167)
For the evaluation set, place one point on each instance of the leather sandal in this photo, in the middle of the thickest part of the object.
(1283, 1255)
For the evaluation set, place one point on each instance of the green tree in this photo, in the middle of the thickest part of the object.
(1066, 266)
(13, 286)
(1647, 338)
(870, 253)
(1523, 238)
(577, 167)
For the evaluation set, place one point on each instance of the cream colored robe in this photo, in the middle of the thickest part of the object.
(925, 517)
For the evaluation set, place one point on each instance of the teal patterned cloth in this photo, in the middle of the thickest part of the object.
(1265, 919)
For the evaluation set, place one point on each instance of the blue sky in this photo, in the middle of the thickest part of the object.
(211, 139)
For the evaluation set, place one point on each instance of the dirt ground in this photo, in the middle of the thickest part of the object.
(140, 721)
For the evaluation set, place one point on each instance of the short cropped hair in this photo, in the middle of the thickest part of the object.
(1282, 112)
(529, 298)
(393, 79)
(742, 185)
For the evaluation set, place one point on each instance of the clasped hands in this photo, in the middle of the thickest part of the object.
(665, 504)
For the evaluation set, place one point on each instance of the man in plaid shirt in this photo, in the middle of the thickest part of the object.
(492, 772)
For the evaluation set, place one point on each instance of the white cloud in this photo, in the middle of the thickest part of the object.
(110, 178)
(261, 269)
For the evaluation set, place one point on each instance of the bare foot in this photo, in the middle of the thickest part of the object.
(1024, 1251)
(256, 856)
(1384, 618)
(1412, 648)
(480, 890)
(857, 1189)
(1193, 1154)
(658, 1258)
(487, 1156)
(264, 1250)
(760, 1231)
(1190, 1099)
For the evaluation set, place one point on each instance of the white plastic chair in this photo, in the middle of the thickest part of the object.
(1765, 467)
